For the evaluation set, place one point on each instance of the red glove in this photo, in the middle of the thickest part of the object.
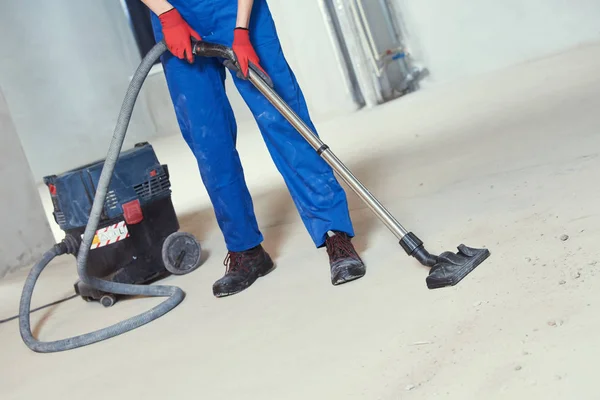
(177, 34)
(244, 51)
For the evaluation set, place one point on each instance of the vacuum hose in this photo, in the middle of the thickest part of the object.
(175, 295)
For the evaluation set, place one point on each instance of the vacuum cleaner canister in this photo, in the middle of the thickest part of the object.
(137, 240)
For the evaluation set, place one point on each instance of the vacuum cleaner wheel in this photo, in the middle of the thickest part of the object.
(108, 300)
(181, 253)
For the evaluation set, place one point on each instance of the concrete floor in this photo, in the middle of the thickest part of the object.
(509, 161)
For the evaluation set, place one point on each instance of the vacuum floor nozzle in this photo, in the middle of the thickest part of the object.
(451, 268)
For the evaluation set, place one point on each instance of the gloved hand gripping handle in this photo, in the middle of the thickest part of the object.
(201, 48)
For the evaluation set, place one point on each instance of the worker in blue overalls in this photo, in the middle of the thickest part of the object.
(208, 125)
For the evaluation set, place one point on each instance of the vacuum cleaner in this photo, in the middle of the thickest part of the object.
(446, 269)
(137, 240)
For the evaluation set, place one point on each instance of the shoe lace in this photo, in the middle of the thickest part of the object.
(340, 246)
(234, 262)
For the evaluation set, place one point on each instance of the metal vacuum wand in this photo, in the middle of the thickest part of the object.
(447, 269)
(325, 152)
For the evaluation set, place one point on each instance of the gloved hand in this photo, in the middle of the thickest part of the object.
(244, 51)
(178, 34)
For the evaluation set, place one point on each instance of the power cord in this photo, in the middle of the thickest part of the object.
(40, 308)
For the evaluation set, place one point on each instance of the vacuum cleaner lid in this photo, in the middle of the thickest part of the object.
(138, 175)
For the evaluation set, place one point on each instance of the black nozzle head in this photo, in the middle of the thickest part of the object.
(451, 268)
(448, 268)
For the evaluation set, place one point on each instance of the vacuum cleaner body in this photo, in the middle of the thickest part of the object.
(137, 218)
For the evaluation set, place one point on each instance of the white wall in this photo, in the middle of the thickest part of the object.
(24, 232)
(458, 38)
(66, 64)
(65, 67)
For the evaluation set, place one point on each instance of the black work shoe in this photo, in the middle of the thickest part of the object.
(243, 268)
(345, 263)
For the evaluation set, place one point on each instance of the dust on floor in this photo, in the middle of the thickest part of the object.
(509, 161)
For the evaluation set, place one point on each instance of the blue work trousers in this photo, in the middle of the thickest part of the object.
(208, 125)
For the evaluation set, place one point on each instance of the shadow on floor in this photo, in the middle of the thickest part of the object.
(443, 158)
(276, 213)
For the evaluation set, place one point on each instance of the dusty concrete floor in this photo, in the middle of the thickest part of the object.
(509, 161)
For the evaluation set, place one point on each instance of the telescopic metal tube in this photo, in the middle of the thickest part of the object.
(384, 215)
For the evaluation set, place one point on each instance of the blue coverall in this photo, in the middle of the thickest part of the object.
(208, 125)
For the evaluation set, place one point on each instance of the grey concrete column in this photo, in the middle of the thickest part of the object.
(24, 230)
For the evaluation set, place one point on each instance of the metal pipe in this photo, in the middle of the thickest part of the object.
(384, 215)
(366, 36)
(367, 29)
(360, 63)
(389, 20)
(391, 17)
(341, 55)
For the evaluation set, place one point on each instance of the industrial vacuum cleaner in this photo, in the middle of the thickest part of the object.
(137, 240)
(126, 237)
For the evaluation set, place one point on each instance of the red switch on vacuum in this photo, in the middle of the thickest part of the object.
(132, 212)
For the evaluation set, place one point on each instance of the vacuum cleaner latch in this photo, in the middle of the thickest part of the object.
(132, 212)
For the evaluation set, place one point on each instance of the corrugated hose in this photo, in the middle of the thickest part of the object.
(174, 294)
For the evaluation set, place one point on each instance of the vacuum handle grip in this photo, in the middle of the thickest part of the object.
(201, 48)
